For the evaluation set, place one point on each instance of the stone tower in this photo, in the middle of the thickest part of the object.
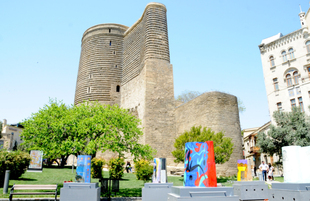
(99, 76)
(131, 67)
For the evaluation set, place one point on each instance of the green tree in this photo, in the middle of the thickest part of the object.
(186, 96)
(106, 127)
(291, 128)
(223, 146)
(59, 130)
(47, 131)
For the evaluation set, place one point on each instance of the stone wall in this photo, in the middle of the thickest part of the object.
(218, 111)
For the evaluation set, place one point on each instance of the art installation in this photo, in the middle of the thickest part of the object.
(83, 169)
(295, 164)
(242, 170)
(159, 171)
(36, 160)
(199, 164)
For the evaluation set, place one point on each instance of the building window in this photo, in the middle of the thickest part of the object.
(291, 92)
(109, 30)
(88, 90)
(271, 59)
(118, 88)
(276, 84)
(291, 52)
(309, 93)
(288, 80)
(1, 144)
(279, 105)
(293, 103)
(284, 56)
(301, 105)
(295, 75)
(308, 68)
(308, 46)
(298, 91)
(110, 43)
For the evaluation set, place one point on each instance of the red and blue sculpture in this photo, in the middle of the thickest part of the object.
(199, 165)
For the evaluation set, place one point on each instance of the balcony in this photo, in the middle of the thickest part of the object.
(254, 149)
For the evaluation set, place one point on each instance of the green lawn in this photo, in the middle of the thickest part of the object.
(129, 185)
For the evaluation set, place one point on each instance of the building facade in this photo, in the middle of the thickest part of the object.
(130, 66)
(10, 135)
(286, 68)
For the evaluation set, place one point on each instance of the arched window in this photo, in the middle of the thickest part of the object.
(284, 56)
(288, 80)
(295, 75)
(291, 52)
(271, 59)
(118, 88)
(308, 46)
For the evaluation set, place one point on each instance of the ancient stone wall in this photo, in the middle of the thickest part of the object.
(218, 111)
(99, 75)
(147, 82)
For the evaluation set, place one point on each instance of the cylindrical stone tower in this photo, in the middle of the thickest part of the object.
(99, 75)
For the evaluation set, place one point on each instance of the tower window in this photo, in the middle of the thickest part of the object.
(276, 84)
(284, 56)
(115, 66)
(293, 103)
(88, 90)
(118, 88)
(308, 46)
(291, 52)
(279, 106)
(109, 30)
(271, 59)
(301, 105)
(295, 75)
(110, 43)
(288, 80)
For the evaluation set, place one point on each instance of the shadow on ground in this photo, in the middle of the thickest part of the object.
(126, 192)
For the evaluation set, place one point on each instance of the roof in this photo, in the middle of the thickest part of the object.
(272, 38)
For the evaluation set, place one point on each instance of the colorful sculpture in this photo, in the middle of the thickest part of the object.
(83, 168)
(159, 171)
(199, 164)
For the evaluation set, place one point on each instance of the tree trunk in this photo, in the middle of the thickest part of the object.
(63, 161)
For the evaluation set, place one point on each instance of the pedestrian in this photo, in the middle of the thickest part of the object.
(264, 168)
(128, 167)
(270, 171)
(255, 171)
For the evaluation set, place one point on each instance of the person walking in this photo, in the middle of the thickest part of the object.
(264, 168)
(270, 171)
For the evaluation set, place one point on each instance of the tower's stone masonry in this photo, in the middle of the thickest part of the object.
(131, 67)
(218, 111)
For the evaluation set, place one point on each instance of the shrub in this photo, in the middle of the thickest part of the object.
(144, 170)
(116, 168)
(15, 161)
(96, 167)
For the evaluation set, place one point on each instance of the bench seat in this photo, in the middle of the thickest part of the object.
(52, 188)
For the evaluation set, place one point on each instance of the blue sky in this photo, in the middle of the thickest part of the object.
(213, 46)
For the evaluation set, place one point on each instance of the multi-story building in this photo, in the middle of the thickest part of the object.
(10, 135)
(286, 68)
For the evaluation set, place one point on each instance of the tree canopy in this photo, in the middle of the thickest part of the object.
(59, 130)
(223, 146)
(291, 128)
